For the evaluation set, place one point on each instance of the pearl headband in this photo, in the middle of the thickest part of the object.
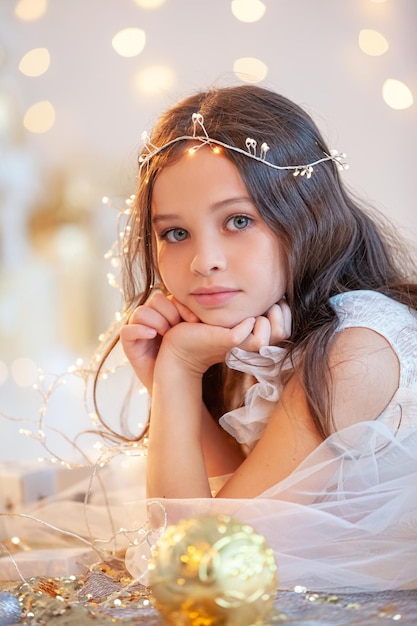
(251, 150)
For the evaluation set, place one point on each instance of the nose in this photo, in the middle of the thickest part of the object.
(208, 258)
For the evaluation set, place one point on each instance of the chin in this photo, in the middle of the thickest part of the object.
(220, 319)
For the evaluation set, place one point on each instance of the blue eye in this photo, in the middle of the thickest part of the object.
(175, 234)
(238, 222)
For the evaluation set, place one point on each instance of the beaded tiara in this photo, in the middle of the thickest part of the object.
(200, 135)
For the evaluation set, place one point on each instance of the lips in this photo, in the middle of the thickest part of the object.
(214, 296)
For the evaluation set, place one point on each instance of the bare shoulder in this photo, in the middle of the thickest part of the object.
(364, 375)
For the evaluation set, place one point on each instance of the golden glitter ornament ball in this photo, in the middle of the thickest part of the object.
(212, 571)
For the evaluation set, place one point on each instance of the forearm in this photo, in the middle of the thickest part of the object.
(176, 464)
(222, 453)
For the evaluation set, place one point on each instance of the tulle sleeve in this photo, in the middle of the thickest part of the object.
(248, 422)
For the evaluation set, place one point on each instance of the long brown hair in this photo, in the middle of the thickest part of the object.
(332, 244)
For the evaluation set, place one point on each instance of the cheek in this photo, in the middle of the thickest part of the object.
(160, 265)
(170, 275)
(280, 265)
(173, 262)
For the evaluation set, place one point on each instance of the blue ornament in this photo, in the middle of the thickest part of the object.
(10, 611)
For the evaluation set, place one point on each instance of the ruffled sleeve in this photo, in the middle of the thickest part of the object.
(247, 423)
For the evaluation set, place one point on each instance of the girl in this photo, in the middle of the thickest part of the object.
(276, 333)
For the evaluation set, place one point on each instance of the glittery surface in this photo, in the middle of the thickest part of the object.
(105, 595)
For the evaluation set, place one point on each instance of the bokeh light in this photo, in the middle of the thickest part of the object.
(35, 62)
(250, 69)
(40, 117)
(154, 79)
(24, 372)
(396, 94)
(3, 372)
(150, 4)
(71, 242)
(129, 42)
(372, 42)
(248, 10)
(29, 10)
(4, 114)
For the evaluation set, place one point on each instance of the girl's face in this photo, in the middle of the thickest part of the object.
(215, 253)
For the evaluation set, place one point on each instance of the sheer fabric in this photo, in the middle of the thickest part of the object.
(346, 518)
(366, 309)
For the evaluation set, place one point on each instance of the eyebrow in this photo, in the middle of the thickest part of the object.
(163, 217)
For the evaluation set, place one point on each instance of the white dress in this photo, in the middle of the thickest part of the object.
(346, 518)
(366, 309)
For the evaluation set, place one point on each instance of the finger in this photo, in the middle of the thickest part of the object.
(131, 333)
(146, 317)
(279, 316)
(186, 314)
(260, 335)
(287, 317)
(241, 332)
(165, 306)
(157, 313)
(262, 331)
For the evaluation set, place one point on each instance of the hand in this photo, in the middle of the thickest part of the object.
(141, 337)
(269, 329)
(197, 346)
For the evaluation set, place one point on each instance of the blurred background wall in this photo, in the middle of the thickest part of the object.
(79, 82)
